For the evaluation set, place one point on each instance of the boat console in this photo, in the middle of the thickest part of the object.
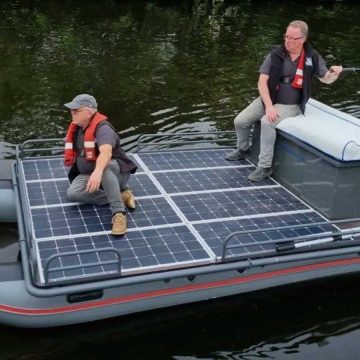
(317, 157)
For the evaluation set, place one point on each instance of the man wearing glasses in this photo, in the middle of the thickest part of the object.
(100, 168)
(284, 88)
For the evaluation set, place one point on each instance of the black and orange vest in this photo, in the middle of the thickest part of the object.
(90, 152)
(277, 59)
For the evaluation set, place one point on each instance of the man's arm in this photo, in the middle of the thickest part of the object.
(331, 75)
(105, 154)
(270, 111)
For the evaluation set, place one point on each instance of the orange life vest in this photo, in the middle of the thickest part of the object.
(89, 140)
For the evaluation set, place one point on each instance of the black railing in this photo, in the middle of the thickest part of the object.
(294, 242)
(48, 270)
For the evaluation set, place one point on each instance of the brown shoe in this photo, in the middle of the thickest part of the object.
(119, 224)
(128, 199)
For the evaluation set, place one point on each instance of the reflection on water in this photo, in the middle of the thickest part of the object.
(174, 66)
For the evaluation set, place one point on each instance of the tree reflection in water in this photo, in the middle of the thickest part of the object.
(154, 66)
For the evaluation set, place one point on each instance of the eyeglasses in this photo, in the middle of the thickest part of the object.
(76, 111)
(287, 37)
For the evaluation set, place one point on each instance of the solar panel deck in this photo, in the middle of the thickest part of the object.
(188, 202)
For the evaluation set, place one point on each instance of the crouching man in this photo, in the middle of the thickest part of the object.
(100, 168)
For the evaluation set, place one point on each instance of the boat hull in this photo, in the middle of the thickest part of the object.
(20, 308)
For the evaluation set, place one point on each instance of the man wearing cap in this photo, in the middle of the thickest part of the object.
(100, 168)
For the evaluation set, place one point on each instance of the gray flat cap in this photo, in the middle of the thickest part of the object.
(81, 101)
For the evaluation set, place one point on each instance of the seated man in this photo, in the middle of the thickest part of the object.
(284, 87)
(100, 168)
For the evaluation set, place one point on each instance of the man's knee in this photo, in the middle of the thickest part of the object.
(265, 123)
(70, 194)
(111, 170)
(74, 193)
(241, 121)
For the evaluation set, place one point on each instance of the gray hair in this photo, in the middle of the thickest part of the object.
(302, 25)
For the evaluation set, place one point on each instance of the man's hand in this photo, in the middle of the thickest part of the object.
(332, 74)
(94, 181)
(336, 70)
(104, 157)
(271, 113)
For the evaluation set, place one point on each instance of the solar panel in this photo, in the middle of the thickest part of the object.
(214, 205)
(205, 180)
(188, 160)
(142, 185)
(78, 219)
(187, 203)
(215, 233)
(47, 192)
(52, 192)
(47, 169)
(149, 250)
(42, 169)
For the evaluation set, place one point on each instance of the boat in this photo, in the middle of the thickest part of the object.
(200, 230)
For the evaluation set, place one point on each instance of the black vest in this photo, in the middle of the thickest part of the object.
(310, 68)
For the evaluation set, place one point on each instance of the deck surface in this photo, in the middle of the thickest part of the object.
(188, 202)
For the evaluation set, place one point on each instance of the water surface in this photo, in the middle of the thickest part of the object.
(174, 66)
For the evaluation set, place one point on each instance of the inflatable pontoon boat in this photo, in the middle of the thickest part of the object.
(201, 230)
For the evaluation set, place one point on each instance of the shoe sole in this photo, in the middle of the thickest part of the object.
(240, 158)
(119, 233)
(130, 206)
(257, 180)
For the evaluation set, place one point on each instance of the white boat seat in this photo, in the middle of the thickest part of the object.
(326, 129)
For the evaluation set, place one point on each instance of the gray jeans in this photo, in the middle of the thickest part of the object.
(113, 182)
(254, 112)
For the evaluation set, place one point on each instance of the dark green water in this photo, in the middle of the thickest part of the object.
(174, 66)
(155, 66)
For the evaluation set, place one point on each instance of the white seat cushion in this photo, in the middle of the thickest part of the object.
(329, 130)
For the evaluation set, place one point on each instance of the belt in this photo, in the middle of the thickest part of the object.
(285, 80)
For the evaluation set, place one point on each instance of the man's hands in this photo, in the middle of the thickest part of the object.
(332, 74)
(336, 70)
(271, 113)
(105, 153)
(94, 181)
